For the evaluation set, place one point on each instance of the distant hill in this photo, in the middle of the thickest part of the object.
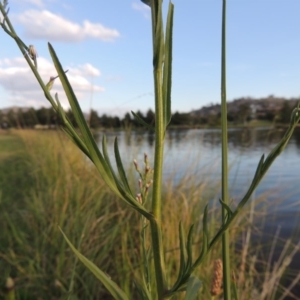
(258, 107)
(239, 112)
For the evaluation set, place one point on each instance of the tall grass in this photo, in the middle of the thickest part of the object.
(51, 193)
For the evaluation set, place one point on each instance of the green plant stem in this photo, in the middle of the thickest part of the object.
(225, 237)
(159, 148)
(157, 185)
(158, 257)
(156, 235)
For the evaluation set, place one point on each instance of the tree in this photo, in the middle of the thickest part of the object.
(244, 113)
(127, 121)
(94, 120)
(180, 119)
(284, 114)
(150, 117)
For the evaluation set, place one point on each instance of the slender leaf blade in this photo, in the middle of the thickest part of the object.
(110, 285)
(183, 252)
(167, 74)
(142, 122)
(189, 247)
(91, 144)
(122, 192)
(147, 2)
(69, 130)
(205, 245)
(227, 208)
(192, 289)
(158, 54)
(120, 167)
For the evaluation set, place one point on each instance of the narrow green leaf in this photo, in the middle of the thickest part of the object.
(183, 252)
(234, 287)
(205, 225)
(259, 167)
(119, 185)
(147, 2)
(189, 247)
(227, 208)
(110, 285)
(144, 294)
(295, 117)
(107, 159)
(69, 130)
(90, 143)
(204, 240)
(142, 122)
(264, 165)
(121, 170)
(186, 269)
(122, 192)
(158, 54)
(192, 289)
(167, 74)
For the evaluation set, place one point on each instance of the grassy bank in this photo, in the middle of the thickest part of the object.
(45, 182)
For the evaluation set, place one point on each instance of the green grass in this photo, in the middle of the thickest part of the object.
(46, 181)
(39, 191)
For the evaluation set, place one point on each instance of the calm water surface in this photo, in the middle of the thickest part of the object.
(197, 152)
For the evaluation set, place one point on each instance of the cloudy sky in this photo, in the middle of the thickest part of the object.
(106, 45)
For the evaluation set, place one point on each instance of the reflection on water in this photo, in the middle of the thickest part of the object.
(197, 152)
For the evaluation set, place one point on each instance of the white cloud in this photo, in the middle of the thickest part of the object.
(142, 8)
(86, 70)
(20, 84)
(46, 25)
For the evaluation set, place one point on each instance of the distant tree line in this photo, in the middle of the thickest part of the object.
(241, 113)
(29, 118)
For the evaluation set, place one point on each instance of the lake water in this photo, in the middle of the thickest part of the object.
(197, 152)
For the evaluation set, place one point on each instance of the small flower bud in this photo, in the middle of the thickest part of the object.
(32, 52)
(146, 158)
(147, 169)
(136, 164)
(140, 184)
(138, 198)
(147, 188)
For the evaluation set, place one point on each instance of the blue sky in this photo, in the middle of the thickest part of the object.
(106, 45)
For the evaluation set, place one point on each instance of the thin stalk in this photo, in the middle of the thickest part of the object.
(157, 186)
(156, 235)
(159, 147)
(225, 237)
(158, 257)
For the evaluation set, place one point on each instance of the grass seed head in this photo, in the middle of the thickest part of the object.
(216, 285)
(9, 285)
